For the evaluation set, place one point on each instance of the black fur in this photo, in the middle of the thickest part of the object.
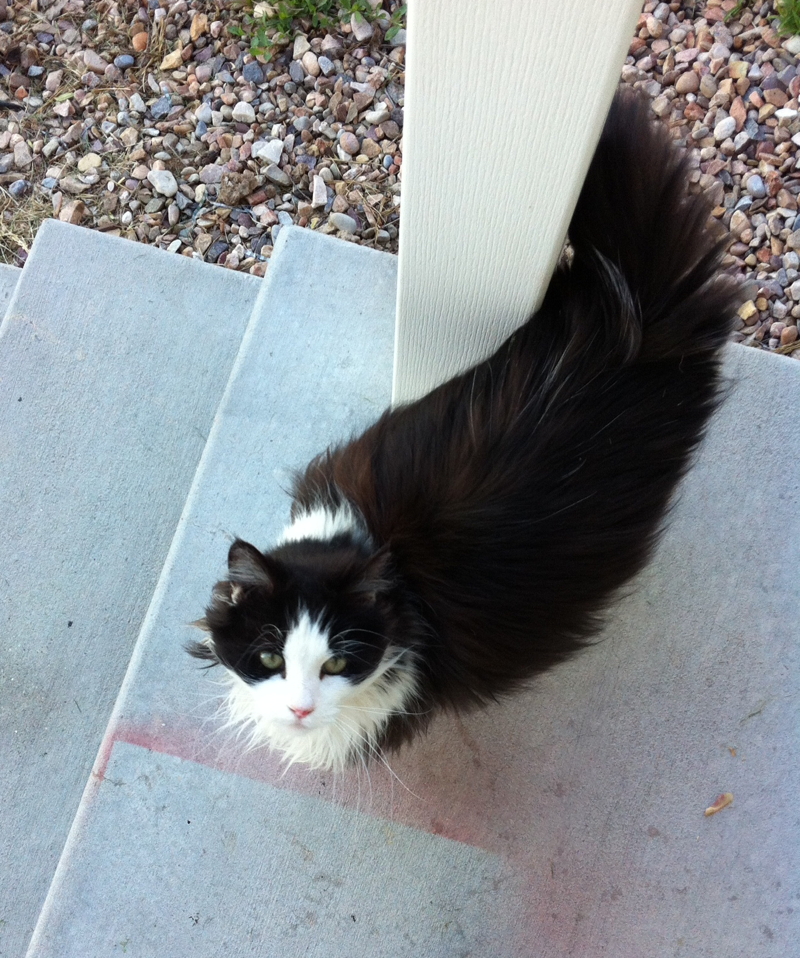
(508, 506)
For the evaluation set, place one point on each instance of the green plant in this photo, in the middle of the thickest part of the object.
(736, 11)
(397, 21)
(788, 17)
(271, 25)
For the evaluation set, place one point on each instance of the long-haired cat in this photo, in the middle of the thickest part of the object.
(472, 539)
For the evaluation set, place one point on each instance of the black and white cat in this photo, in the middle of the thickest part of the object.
(474, 538)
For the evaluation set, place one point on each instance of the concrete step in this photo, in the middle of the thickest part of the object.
(568, 820)
(8, 282)
(113, 359)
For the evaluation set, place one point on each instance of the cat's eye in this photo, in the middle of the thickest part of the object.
(335, 665)
(271, 660)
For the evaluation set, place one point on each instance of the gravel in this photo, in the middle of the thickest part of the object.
(728, 91)
(158, 124)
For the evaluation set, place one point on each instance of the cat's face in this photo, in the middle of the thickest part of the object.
(305, 638)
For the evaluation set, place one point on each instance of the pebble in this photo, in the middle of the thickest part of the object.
(377, 116)
(310, 63)
(211, 174)
(124, 61)
(748, 310)
(343, 222)
(319, 194)
(755, 186)
(161, 107)
(739, 223)
(73, 212)
(792, 44)
(362, 30)
(301, 46)
(270, 150)
(661, 106)
(19, 188)
(22, 155)
(172, 60)
(724, 129)
(253, 73)
(90, 161)
(244, 113)
(276, 175)
(349, 143)
(163, 182)
(94, 62)
(688, 82)
(708, 85)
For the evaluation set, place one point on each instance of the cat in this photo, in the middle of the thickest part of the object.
(474, 538)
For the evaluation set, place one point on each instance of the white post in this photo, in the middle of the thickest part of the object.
(505, 100)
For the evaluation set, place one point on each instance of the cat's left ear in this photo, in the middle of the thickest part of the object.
(248, 566)
(375, 578)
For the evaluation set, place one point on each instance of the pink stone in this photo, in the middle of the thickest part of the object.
(687, 83)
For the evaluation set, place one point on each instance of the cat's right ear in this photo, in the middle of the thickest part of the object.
(249, 567)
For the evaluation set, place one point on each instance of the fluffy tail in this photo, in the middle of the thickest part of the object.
(644, 249)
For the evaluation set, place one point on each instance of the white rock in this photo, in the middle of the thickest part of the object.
(310, 63)
(319, 194)
(792, 44)
(343, 222)
(244, 113)
(270, 150)
(137, 104)
(203, 113)
(361, 29)
(22, 155)
(163, 182)
(739, 222)
(90, 161)
(301, 46)
(377, 116)
(724, 129)
(661, 105)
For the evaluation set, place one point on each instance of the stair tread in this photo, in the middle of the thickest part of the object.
(113, 358)
(8, 282)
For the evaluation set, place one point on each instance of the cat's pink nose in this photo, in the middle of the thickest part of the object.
(300, 713)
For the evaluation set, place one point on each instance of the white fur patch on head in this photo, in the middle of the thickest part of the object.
(321, 523)
(343, 720)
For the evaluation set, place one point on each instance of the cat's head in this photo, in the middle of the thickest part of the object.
(307, 637)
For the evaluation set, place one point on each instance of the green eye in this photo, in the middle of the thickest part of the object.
(271, 660)
(335, 665)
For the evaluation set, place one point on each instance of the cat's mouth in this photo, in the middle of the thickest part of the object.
(304, 723)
